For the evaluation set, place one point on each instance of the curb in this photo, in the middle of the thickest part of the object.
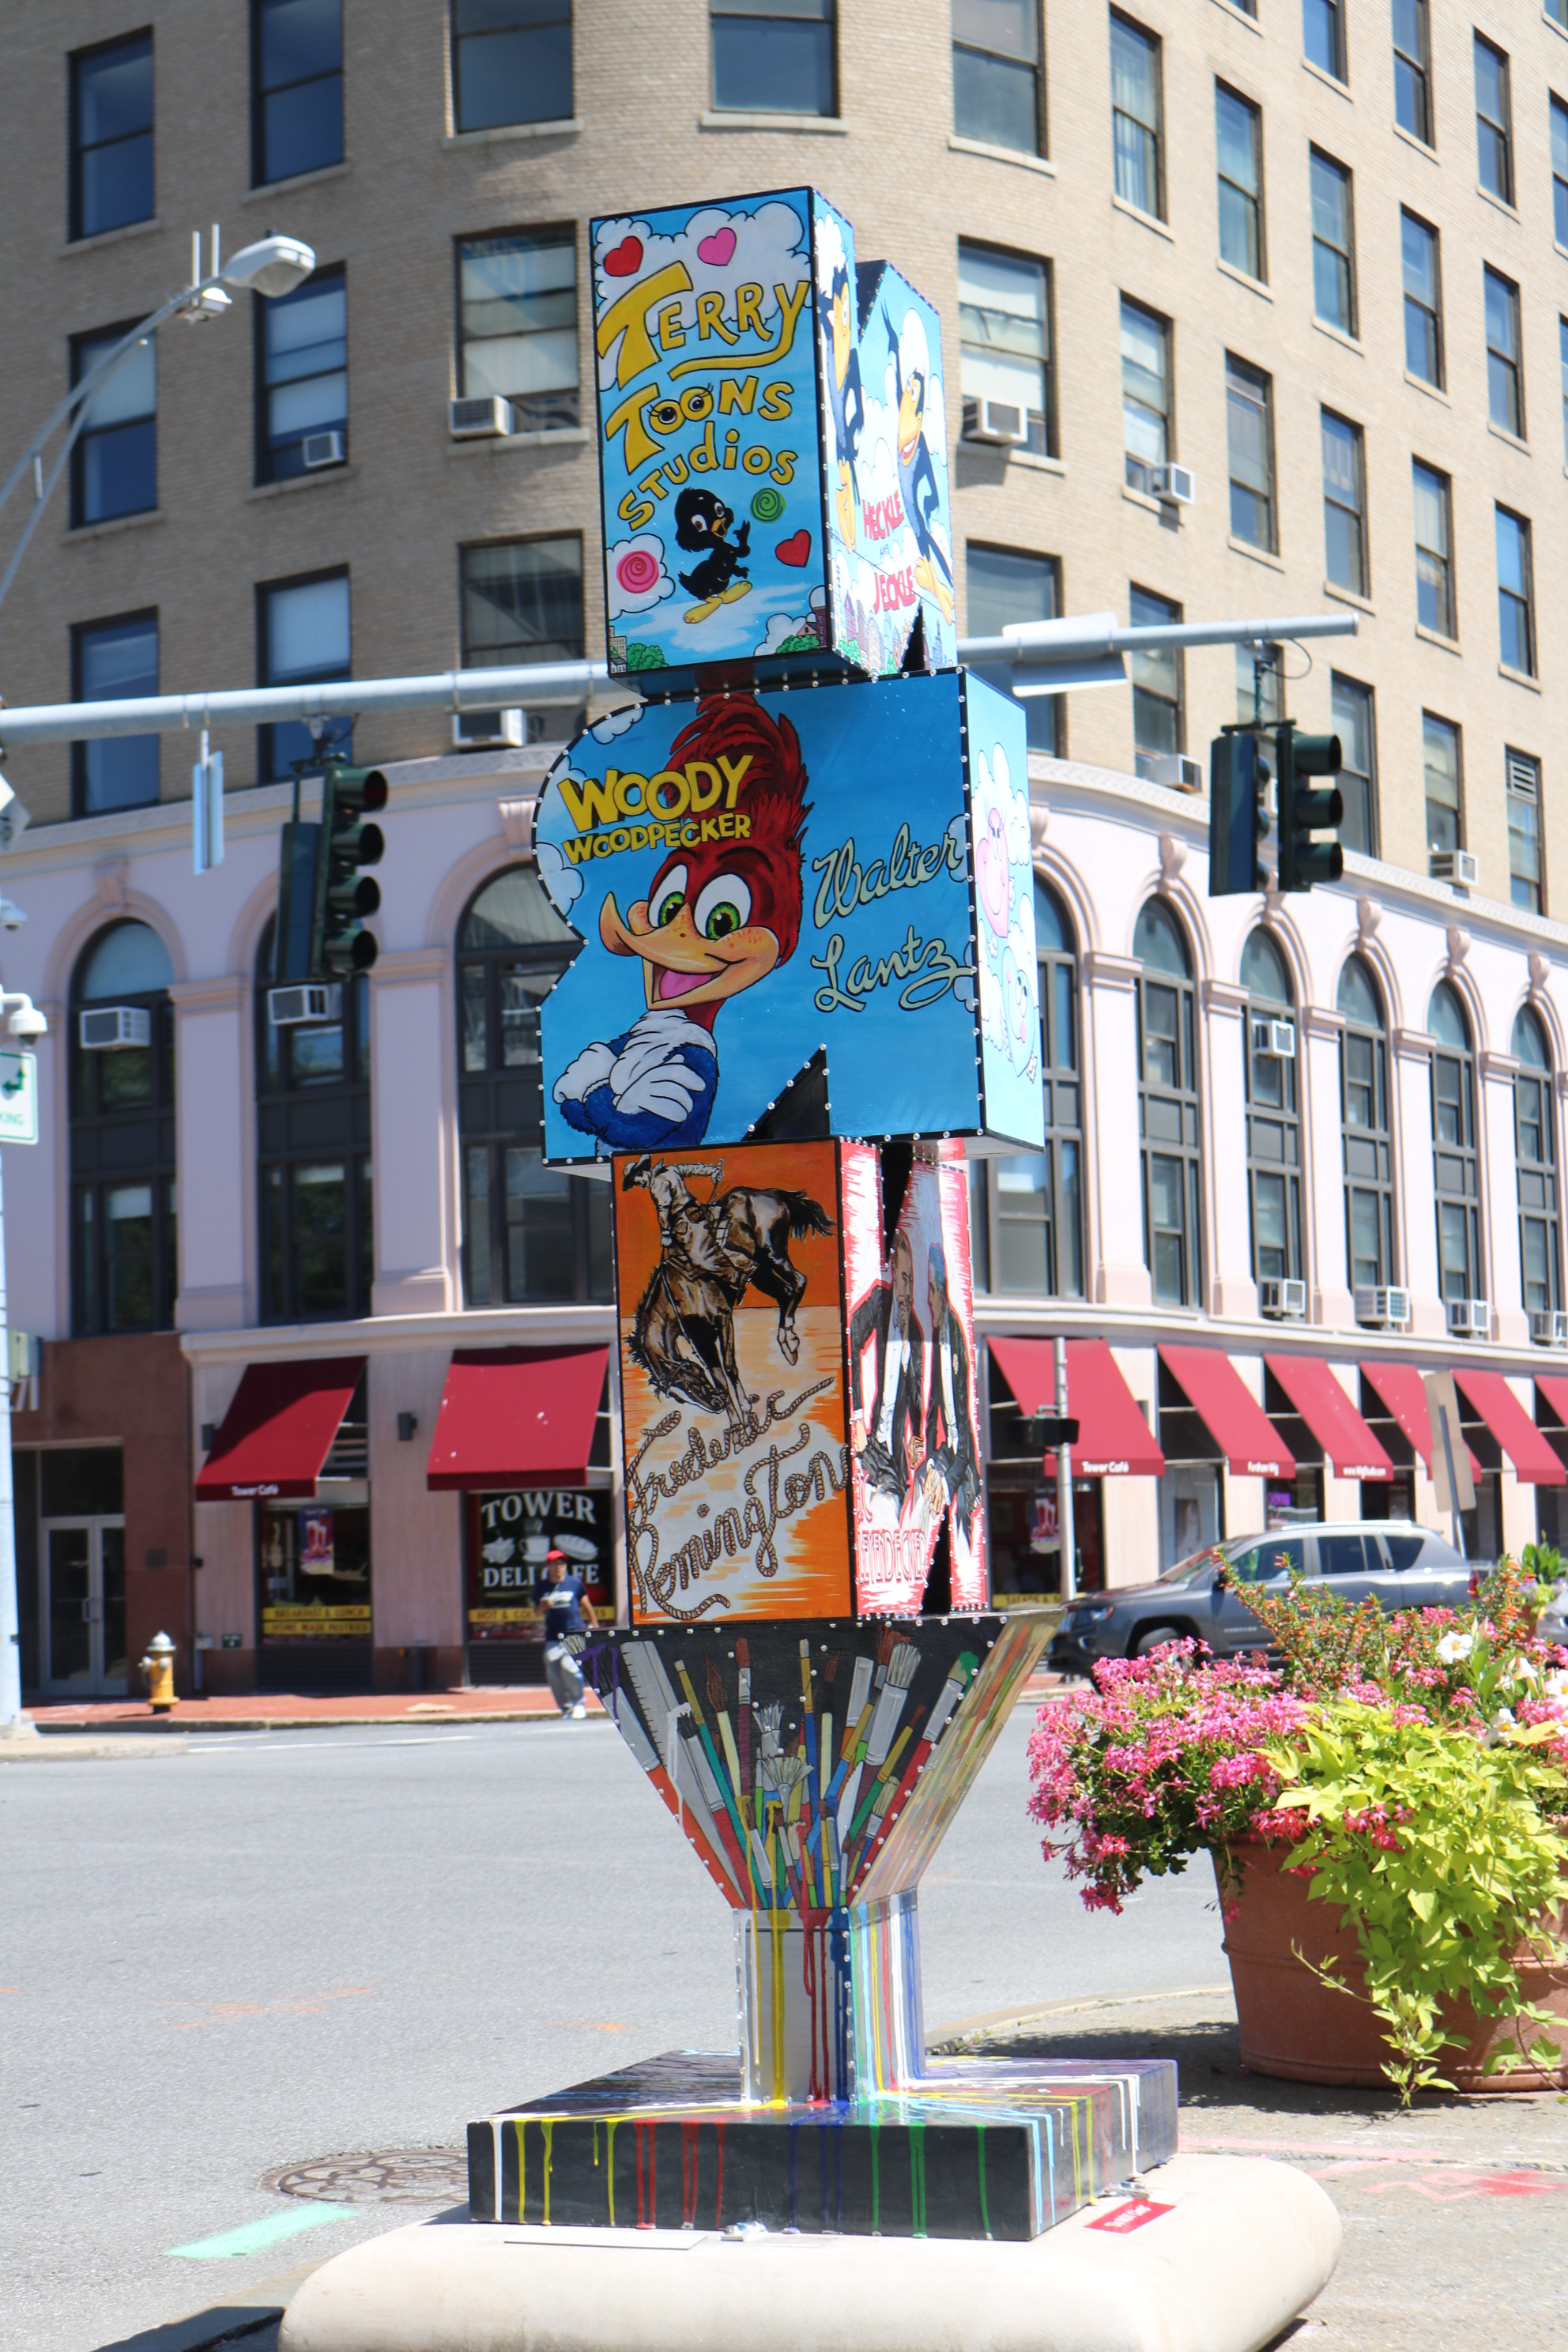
(74, 1747)
(243, 2314)
(134, 1733)
(997, 2020)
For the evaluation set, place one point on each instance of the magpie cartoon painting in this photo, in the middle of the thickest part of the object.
(701, 522)
(718, 918)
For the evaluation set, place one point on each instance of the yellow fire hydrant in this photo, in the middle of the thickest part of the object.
(158, 1666)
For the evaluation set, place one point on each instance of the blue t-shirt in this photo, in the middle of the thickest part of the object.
(561, 1614)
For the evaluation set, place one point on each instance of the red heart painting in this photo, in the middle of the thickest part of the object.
(627, 258)
(717, 249)
(796, 551)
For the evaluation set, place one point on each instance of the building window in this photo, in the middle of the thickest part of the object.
(112, 135)
(303, 626)
(312, 1112)
(1323, 36)
(1249, 432)
(1036, 1225)
(1238, 146)
(1135, 116)
(114, 465)
(1354, 726)
(114, 661)
(997, 85)
(511, 62)
(1004, 337)
(1366, 1130)
(1259, 699)
(1157, 728)
(1003, 585)
(517, 324)
(1168, 1108)
(1344, 504)
(1145, 392)
(1333, 245)
(1535, 1157)
(1560, 172)
(1494, 122)
(1434, 608)
(297, 87)
(1505, 396)
(1412, 70)
(775, 57)
(1523, 797)
(1515, 593)
(1441, 769)
(1419, 254)
(123, 1237)
(523, 601)
(302, 348)
(1456, 1169)
(529, 1232)
(1273, 1123)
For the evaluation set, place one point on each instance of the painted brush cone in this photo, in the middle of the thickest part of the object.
(1299, 2029)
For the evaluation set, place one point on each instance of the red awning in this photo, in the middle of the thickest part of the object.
(1404, 1393)
(1352, 1450)
(1230, 1412)
(280, 1429)
(516, 1417)
(1114, 1440)
(1555, 1391)
(1533, 1459)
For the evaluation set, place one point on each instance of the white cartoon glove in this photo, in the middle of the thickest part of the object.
(648, 1076)
(591, 1068)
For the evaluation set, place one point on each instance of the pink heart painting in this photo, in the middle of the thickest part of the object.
(719, 250)
(794, 551)
(626, 259)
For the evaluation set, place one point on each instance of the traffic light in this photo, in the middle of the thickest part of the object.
(1306, 809)
(345, 895)
(1238, 814)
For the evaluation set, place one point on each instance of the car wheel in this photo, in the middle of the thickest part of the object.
(1155, 1637)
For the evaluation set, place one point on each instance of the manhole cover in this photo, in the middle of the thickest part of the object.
(390, 2176)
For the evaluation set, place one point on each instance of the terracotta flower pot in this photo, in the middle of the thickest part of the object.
(1295, 2026)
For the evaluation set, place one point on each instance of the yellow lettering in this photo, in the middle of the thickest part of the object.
(639, 444)
(628, 319)
(671, 333)
(749, 311)
(593, 803)
(653, 483)
(628, 788)
(783, 466)
(636, 511)
(743, 826)
(789, 315)
(710, 318)
(657, 796)
(703, 796)
(734, 395)
(734, 775)
(776, 400)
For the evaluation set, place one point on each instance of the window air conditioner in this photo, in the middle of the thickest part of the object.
(999, 422)
(1549, 1327)
(1384, 1309)
(1459, 866)
(1173, 768)
(473, 419)
(110, 1026)
(1276, 1040)
(1176, 483)
(1469, 1318)
(322, 449)
(485, 730)
(314, 1000)
(1283, 1298)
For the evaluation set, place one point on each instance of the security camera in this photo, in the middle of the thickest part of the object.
(28, 1022)
(11, 916)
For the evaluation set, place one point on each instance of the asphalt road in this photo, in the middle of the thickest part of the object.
(284, 1946)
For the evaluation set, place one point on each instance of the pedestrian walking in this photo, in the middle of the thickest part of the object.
(566, 1604)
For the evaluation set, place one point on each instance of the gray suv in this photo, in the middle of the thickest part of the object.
(1402, 1566)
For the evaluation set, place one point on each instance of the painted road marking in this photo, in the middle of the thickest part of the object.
(252, 2236)
(296, 1746)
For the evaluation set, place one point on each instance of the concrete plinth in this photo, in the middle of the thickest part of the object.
(1224, 2253)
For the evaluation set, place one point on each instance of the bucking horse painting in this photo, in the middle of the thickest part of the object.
(712, 1250)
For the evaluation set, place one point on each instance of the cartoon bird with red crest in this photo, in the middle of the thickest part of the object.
(720, 916)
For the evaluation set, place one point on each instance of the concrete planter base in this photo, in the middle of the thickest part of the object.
(1231, 2249)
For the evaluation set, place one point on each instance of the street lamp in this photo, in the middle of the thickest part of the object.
(25, 1023)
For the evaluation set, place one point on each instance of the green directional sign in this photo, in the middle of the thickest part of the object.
(18, 1097)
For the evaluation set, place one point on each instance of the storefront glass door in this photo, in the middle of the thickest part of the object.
(84, 1607)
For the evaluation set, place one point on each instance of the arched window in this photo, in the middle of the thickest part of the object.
(529, 1232)
(312, 1116)
(1364, 1127)
(1036, 1197)
(1168, 1107)
(1455, 1167)
(124, 1237)
(1535, 1154)
(1273, 1124)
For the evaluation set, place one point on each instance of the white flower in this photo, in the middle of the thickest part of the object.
(1523, 1672)
(1555, 1686)
(1503, 1724)
(1453, 1647)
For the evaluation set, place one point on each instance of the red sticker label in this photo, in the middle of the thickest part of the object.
(1131, 2216)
